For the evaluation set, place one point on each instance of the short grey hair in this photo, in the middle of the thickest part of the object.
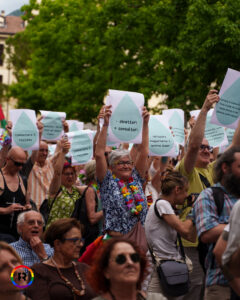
(21, 217)
(117, 154)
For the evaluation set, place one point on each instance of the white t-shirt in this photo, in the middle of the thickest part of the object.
(234, 233)
(161, 237)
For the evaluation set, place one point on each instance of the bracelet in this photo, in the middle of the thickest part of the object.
(46, 258)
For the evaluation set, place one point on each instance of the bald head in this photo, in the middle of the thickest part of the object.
(17, 153)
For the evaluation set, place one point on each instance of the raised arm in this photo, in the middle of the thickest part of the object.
(99, 117)
(101, 164)
(142, 161)
(58, 167)
(197, 132)
(236, 137)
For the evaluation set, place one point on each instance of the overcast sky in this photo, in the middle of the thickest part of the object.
(10, 5)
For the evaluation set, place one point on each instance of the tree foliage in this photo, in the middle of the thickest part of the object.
(73, 51)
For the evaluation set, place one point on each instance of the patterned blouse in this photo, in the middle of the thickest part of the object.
(117, 216)
(63, 205)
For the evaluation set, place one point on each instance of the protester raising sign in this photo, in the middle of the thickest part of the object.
(215, 134)
(24, 131)
(53, 127)
(227, 110)
(126, 120)
(81, 149)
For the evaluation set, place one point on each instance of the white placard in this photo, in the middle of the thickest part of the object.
(125, 124)
(161, 142)
(81, 149)
(227, 110)
(25, 133)
(75, 125)
(176, 121)
(53, 127)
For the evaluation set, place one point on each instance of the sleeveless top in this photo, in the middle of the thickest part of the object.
(8, 223)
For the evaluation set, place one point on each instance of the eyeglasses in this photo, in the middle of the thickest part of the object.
(74, 240)
(32, 222)
(122, 163)
(206, 147)
(17, 163)
(121, 258)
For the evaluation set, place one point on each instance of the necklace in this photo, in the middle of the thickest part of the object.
(133, 199)
(68, 283)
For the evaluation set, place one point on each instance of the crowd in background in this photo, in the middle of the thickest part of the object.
(113, 228)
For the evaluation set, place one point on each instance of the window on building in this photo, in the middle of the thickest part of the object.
(2, 21)
(1, 54)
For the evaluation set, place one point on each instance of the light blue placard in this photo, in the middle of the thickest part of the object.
(25, 134)
(126, 121)
(228, 108)
(73, 127)
(177, 125)
(52, 126)
(81, 148)
(230, 133)
(160, 138)
(213, 133)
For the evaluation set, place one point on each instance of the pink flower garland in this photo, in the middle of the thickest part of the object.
(132, 198)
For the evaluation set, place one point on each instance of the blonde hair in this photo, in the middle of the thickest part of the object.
(170, 180)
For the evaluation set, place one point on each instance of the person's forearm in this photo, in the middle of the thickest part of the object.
(145, 140)
(197, 133)
(212, 235)
(236, 137)
(102, 140)
(3, 155)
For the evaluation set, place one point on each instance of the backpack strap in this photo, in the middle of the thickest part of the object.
(204, 180)
(218, 196)
(178, 235)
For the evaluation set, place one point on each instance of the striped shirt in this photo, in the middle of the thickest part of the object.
(39, 181)
(206, 218)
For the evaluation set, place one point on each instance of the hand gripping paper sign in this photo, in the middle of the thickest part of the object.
(24, 131)
(81, 149)
(53, 127)
(176, 121)
(161, 142)
(75, 125)
(215, 134)
(126, 120)
(227, 110)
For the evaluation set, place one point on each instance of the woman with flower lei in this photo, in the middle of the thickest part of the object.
(122, 196)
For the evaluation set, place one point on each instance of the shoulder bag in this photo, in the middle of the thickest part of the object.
(173, 274)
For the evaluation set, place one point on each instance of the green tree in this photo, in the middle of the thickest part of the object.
(73, 51)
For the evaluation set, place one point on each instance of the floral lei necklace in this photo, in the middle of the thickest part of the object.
(133, 199)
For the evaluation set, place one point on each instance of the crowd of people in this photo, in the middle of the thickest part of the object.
(135, 227)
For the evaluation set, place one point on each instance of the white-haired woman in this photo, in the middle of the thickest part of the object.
(122, 196)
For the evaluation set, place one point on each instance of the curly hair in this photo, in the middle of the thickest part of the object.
(95, 275)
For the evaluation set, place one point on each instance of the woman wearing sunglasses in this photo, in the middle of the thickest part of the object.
(118, 271)
(61, 277)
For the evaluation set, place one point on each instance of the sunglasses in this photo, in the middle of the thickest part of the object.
(17, 163)
(74, 240)
(121, 258)
(206, 147)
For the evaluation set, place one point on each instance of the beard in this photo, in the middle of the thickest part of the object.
(232, 184)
